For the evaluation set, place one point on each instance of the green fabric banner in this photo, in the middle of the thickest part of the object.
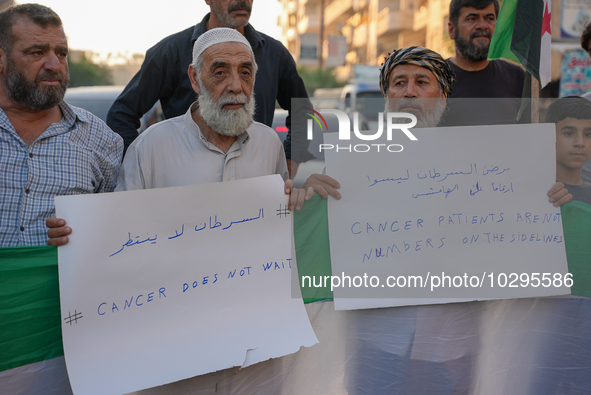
(312, 248)
(518, 34)
(30, 323)
(576, 223)
(500, 44)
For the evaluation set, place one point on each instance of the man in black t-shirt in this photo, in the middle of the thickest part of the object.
(497, 83)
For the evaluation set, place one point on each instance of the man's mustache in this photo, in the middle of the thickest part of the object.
(414, 102)
(48, 75)
(240, 6)
(480, 34)
(232, 99)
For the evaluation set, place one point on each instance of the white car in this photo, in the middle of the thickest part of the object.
(99, 99)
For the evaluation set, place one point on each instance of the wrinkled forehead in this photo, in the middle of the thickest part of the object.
(27, 34)
(23, 27)
(409, 70)
(235, 51)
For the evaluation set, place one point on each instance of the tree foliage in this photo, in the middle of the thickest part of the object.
(87, 73)
(315, 78)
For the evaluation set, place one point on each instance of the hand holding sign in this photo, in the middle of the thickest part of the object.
(177, 275)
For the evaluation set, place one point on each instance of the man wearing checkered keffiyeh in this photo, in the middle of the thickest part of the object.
(418, 56)
(416, 80)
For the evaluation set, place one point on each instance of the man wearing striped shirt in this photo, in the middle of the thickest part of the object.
(47, 148)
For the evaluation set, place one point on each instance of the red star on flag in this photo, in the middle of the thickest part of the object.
(546, 26)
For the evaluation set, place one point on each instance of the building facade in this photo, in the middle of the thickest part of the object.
(361, 31)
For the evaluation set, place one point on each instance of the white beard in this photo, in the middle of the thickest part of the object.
(424, 120)
(225, 121)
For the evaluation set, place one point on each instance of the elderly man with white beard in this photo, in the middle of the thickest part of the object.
(416, 80)
(215, 140)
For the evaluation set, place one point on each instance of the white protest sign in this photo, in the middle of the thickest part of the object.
(164, 284)
(459, 214)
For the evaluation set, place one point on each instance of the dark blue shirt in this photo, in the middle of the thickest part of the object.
(163, 76)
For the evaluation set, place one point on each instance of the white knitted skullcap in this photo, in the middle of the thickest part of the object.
(217, 36)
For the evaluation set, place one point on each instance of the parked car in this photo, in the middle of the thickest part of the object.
(96, 99)
(312, 166)
(99, 99)
(279, 123)
(365, 98)
(326, 98)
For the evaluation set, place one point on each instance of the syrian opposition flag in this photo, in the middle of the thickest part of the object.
(523, 34)
(31, 351)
